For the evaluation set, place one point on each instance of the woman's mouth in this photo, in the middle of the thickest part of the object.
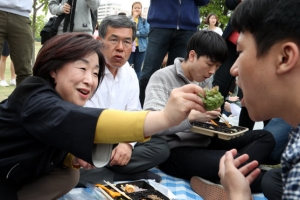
(84, 93)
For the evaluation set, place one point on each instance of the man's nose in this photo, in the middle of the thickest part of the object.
(120, 45)
(234, 69)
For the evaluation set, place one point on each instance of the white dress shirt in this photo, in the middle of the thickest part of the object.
(119, 93)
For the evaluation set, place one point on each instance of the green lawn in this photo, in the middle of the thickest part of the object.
(5, 91)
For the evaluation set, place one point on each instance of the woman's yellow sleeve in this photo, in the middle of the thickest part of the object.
(115, 126)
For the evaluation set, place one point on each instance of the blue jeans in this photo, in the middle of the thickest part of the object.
(280, 130)
(160, 42)
(136, 58)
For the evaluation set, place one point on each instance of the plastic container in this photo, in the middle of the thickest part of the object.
(140, 195)
(221, 131)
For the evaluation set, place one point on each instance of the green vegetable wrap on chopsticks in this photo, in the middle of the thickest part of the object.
(213, 98)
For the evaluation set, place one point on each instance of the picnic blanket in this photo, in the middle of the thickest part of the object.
(179, 187)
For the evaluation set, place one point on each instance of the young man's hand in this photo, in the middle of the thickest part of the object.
(233, 179)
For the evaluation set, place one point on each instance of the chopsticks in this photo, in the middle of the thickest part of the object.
(104, 193)
(114, 187)
(213, 122)
(225, 121)
(110, 192)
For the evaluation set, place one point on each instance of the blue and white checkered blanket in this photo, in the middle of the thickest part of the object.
(179, 187)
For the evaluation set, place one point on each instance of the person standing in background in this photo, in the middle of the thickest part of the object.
(213, 22)
(4, 55)
(172, 24)
(15, 27)
(137, 57)
(223, 78)
(82, 19)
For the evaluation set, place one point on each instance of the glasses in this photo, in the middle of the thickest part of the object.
(116, 41)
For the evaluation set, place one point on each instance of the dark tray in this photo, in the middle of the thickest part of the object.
(141, 194)
(221, 131)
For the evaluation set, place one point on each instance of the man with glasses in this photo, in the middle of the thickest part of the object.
(120, 90)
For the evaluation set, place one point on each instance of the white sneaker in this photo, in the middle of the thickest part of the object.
(13, 82)
(3, 83)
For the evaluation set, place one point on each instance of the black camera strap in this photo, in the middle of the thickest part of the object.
(69, 18)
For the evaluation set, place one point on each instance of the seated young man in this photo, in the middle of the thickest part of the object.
(193, 154)
(268, 70)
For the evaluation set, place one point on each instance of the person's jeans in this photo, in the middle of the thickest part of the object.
(160, 42)
(136, 58)
(280, 130)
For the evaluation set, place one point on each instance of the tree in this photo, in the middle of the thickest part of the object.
(217, 7)
(39, 24)
(37, 5)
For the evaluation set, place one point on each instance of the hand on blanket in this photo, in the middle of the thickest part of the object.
(233, 179)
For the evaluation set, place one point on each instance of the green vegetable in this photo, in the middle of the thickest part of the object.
(213, 98)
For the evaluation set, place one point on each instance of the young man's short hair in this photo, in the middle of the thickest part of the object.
(269, 21)
(208, 43)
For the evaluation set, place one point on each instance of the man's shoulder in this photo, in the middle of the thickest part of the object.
(167, 70)
(127, 70)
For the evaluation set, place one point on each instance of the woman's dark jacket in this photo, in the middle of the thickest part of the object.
(38, 129)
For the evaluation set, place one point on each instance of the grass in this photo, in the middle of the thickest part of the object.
(6, 91)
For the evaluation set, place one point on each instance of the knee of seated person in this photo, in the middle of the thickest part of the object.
(74, 176)
(165, 154)
(71, 181)
(68, 182)
(162, 150)
(267, 137)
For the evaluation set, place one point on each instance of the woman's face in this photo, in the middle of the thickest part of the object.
(76, 81)
(137, 9)
(212, 20)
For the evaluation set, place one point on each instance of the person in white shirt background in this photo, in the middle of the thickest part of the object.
(213, 22)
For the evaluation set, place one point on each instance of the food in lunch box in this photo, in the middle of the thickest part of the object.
(129, 188)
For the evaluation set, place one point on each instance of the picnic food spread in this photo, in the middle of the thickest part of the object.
(136, 190)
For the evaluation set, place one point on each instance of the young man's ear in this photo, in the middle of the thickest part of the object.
(192, 56)
(289, 57)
